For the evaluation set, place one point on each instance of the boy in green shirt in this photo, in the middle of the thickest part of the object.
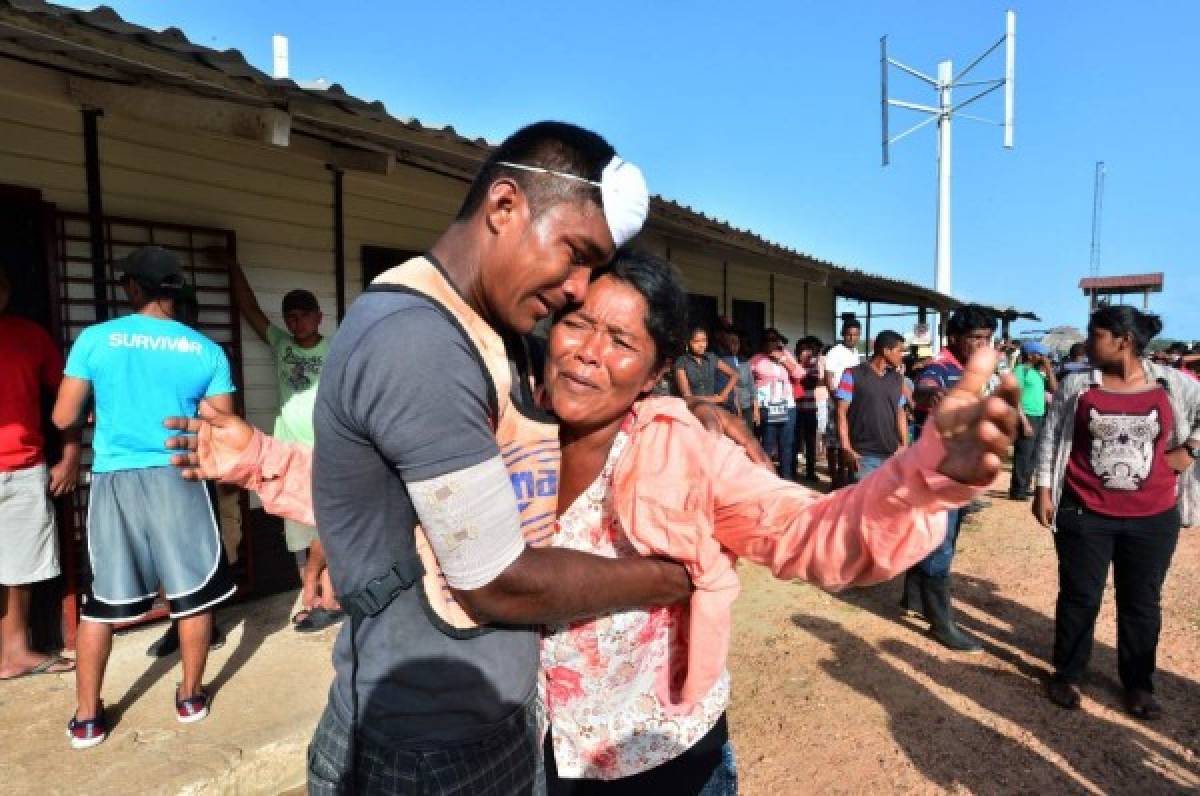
(1035, 376)
(298, 352)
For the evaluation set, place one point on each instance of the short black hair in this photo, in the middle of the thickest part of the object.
(300, 299)
(812, 343)
(970, 317)
(886, 341)
(1077, 350)
(557, 146)
(850, 324)
(1121, 320)
(661, 287)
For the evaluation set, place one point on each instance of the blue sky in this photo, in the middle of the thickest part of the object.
(766, 114)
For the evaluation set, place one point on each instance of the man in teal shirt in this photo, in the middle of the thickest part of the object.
(298, 353)
(1035, 376)
(147, 528)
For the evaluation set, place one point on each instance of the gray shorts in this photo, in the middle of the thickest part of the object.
(28, 534)
(148, 530)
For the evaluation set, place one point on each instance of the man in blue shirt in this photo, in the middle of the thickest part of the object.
(148, 528)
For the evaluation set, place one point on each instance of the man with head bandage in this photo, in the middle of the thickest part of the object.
(436, 475)
(436, 472)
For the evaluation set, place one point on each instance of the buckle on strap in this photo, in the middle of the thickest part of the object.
(379, 592)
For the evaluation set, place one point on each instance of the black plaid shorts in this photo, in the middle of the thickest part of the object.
(506, 763)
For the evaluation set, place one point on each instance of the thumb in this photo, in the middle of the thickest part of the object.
(213, 415)
(978, 372)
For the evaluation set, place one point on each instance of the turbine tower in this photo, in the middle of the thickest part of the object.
(944, 113)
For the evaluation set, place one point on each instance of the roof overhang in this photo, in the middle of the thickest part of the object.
(105, 57)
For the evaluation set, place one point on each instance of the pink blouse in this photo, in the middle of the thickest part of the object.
(600, 676)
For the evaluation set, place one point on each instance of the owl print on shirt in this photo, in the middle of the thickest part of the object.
(1123, 448)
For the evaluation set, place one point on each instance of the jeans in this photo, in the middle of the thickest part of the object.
(937, 564)
(806, 438)
(1024, 452)
(867, 464)
(780, 438)
(1140, 550)
(724, 780)
(708, 768)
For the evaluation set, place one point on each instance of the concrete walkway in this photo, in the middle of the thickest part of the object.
(269, 686)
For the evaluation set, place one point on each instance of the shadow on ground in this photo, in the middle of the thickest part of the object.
(953, 748)
(250, 623)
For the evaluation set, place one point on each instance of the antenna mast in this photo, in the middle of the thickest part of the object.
(943, 113)
(1097, 212)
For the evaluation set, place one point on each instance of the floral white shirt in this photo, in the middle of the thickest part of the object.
(600, 676)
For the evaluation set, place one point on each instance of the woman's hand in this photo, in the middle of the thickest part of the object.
(214, 442)
(977, 431)
(1043, 507)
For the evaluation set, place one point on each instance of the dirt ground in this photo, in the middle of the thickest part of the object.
(838, 694)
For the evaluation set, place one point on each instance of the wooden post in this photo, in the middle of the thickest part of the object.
(771, 287)
(95, 208)
(339, 242)
(806, 332)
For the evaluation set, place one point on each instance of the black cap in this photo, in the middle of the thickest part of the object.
(152, 266)
(302, 300)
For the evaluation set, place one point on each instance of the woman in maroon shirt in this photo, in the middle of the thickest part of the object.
(1119, 503)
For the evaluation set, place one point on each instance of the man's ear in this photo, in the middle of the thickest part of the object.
(505, 202)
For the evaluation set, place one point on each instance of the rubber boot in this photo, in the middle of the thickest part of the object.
(935, 594)
(910, 599)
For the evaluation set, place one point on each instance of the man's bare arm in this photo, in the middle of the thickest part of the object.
(553, 585)
(71, 405)
(243, 295)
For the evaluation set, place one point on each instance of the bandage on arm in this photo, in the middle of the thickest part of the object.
(471, 521)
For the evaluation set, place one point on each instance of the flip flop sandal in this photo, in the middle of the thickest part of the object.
(302, 615)
(319, 619)
(45, 667)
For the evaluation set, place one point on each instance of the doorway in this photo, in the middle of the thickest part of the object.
(750, 318)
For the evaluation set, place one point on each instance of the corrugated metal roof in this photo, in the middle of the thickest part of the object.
(1131, 281)
(102, 39)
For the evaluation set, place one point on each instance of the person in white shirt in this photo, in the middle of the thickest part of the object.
(840, 358)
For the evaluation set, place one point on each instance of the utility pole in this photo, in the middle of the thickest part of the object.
(944, 113)
(1097, 212)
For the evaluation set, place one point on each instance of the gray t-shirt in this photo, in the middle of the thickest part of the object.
(701, 373)
(402, 398)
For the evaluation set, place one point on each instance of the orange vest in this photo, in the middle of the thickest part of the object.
(527, 436)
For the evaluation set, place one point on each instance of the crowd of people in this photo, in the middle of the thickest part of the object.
(532, 546)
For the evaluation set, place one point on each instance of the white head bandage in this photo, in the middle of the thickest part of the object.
(622, 190)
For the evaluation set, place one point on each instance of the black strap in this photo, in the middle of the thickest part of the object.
(371, 600)
(378, 593)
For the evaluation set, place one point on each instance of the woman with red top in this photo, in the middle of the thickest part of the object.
(1114, 444)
